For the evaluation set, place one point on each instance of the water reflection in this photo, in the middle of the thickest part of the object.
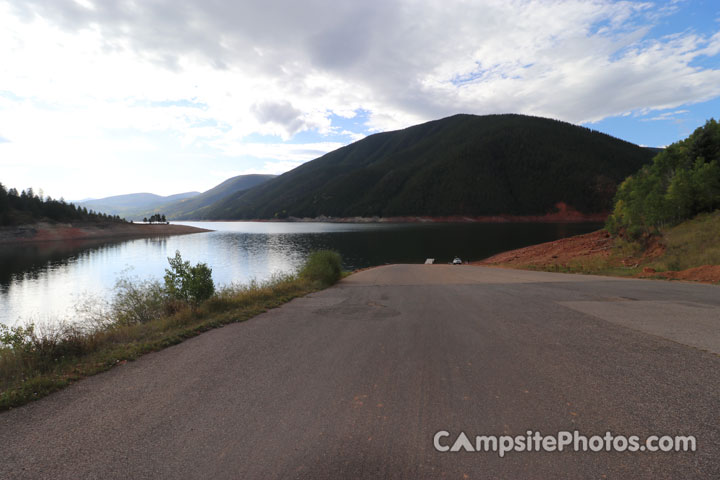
(46, 280)
(31, 261)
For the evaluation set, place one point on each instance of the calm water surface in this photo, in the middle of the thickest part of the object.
(43, 282)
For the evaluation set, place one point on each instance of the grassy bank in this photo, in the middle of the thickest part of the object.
(691, 244)
(141, 318)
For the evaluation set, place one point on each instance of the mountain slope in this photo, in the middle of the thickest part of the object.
(183, 206)
(193, 208)
(129, 204)
(460, 165)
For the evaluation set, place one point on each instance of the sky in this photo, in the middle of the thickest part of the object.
(105, 97)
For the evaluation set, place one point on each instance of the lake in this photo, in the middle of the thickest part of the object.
(43, 282)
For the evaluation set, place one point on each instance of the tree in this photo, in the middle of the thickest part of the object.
(145, 220)
(190, 284)
(157, 218)
(3, 197)
(162, 219)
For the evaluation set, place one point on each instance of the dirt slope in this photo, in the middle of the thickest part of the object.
(596, 248)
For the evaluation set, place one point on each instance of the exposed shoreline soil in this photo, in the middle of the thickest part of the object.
(557, 252)
(52, 232)
(563, 214)
(593, 247)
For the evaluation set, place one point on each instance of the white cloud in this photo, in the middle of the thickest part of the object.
(99, 82)
(266, 168)
(666, 116)
(294, 152)
(354, 136)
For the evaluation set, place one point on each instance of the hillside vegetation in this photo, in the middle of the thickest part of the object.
(461, 165)
(682, 181)
(692, 243)
(194, 208)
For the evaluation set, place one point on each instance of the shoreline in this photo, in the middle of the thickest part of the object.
(563, 214)
(550, 218)
(55, 232)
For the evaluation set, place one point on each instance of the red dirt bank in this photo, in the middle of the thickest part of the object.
(592, 247)
(49, 232)
(558, 252)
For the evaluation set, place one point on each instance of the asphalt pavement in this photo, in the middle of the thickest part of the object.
(355, 381)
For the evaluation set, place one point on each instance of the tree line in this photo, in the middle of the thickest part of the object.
(682, 181)
(156, 218)
(24, 207)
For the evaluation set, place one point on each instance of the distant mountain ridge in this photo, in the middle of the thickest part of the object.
(194, 207)
(136, 206)
(460, 165)
(129, 204)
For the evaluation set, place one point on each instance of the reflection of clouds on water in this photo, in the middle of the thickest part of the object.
(48, 281)
(254, 256)
(52, 285)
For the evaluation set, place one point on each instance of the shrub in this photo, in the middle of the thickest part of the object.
(191, 284)
(137, 302)
(323, 267)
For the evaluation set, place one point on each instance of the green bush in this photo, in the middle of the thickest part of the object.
(19, 338)
(323, 266)
(183, 282)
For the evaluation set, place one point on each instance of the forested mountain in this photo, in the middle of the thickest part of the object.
(194, 207)
(460, 165)
(26, 207)
(131, 204)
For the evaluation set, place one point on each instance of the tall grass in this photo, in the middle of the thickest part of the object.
(691, 244)
(141, 317)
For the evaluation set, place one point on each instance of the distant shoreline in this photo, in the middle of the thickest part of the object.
(53, 232)
(564, 214)
(595, 218)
